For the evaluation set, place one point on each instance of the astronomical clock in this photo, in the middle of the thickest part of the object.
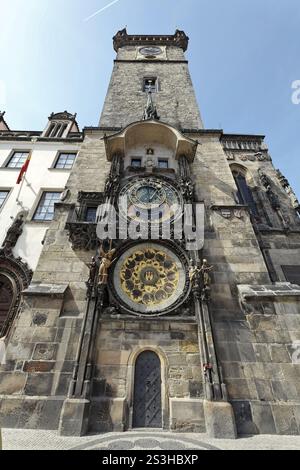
(152, 199)
(150, 277)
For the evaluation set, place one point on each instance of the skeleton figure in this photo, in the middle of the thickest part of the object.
(93, 272)
(105, 263)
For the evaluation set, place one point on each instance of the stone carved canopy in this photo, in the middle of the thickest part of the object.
(151, 132)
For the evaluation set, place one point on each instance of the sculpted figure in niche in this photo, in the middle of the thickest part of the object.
(13, 233)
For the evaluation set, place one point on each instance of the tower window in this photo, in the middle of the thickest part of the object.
(3, 197)
(45, 209)
(163, 163)
(65, 161)
(244, 193)
(91, 214)
(150, 84)
(17, 160)
(136, 162)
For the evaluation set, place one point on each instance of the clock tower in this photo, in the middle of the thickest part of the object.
(167, 291)
(149, 360)
(158, 62)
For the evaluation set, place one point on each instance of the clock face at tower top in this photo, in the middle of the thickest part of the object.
(152, 199)
(150, 51)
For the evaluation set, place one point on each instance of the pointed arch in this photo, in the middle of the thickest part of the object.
(15, 276)
(244, 184)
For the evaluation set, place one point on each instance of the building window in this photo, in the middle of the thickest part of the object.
(150, 84)
(91, 214)
(136, 162)
(163, 163)
(3, 197)
(17, 160)
(45, 209)
(65, 161)
(244, 193)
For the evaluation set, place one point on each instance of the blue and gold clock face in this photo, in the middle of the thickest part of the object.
(152, 199)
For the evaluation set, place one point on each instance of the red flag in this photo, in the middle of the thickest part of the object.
(24, 169)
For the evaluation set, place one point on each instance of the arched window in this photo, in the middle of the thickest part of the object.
(244, 193)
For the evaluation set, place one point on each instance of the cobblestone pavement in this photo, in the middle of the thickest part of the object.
(146, 440)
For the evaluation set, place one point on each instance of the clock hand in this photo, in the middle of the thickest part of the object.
(155, 192)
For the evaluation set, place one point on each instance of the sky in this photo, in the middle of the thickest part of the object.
(244, 57)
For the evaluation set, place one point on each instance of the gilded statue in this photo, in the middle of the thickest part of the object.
(106, 260)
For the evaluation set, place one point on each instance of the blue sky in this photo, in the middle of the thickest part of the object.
(244, 56)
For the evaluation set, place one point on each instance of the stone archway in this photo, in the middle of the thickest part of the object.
(147, 400)
(15, 276)
(7, 299)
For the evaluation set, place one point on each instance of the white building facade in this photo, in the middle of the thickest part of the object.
(27, 206)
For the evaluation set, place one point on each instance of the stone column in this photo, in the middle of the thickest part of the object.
(75, 413)
(218, 412)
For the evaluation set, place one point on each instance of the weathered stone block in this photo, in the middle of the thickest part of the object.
(39, 384)
(243, 418)
(263, 418)
(189, 347)
(74, 417)
(45, 352)
(187, 415)
(12, 383)
(264, 390)
(220, 420)
(285, 420)
(196, 389)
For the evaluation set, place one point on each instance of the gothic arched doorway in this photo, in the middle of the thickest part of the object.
(7, 300)
(147, 401)
(15, 276)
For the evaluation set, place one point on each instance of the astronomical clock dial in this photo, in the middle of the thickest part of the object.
(150, 51)
(152, 199)
(149, 278)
